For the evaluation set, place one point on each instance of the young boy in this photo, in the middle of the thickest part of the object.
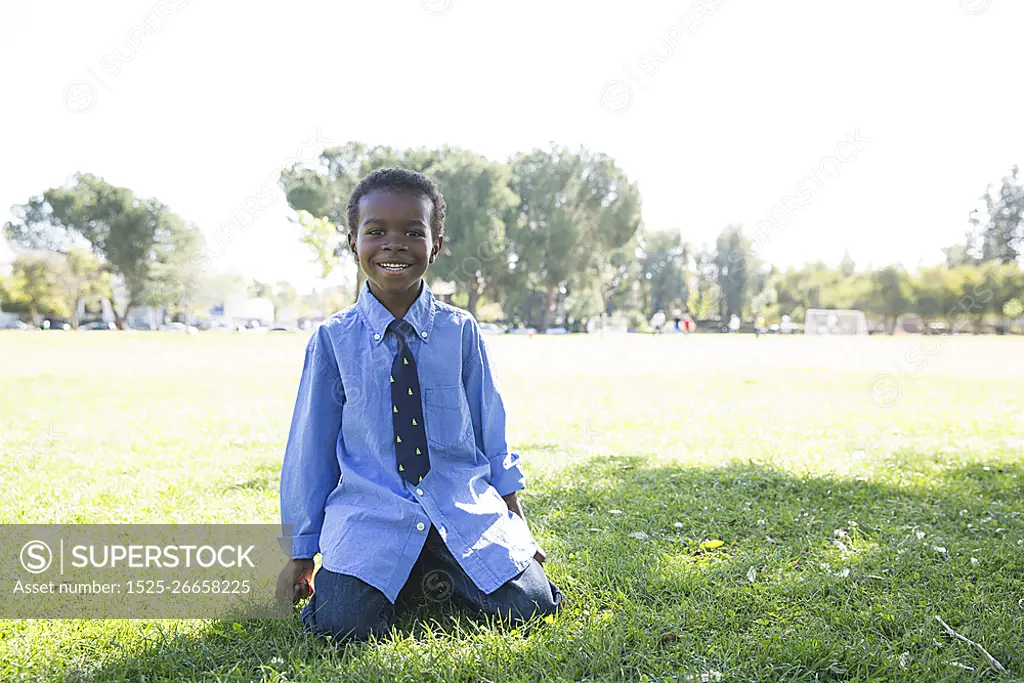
(397, 400)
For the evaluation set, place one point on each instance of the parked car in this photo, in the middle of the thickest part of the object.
(98, 325)
(284, 328)
(17, 325)
(180, 328)
(556, 330)
(55, 325)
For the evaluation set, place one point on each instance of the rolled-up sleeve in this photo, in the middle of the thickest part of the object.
(488, 413)
(311, 471)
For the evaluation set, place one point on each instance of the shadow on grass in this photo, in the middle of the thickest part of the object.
(816, 579)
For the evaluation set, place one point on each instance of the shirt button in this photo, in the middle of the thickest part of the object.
(420, 526)
(423, 334)
(376, 336)
(419, 492)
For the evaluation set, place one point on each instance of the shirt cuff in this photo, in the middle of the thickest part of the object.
(507, 474)
(301, 547)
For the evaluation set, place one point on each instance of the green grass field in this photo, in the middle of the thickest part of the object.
(638, 450)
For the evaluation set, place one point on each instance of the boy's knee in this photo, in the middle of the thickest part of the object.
(535, 609)
(346, 608)
(348, 622)
(528, 596)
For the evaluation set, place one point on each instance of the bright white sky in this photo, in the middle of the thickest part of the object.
(744, 108)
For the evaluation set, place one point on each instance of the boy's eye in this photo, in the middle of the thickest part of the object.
(415, 233)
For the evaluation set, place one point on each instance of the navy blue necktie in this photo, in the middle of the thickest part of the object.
(407, 409)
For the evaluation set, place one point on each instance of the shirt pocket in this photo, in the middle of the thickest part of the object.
(447, 416)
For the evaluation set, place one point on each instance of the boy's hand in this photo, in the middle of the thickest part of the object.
(512, 501)
(293, 583)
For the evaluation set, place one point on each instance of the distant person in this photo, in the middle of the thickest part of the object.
(658, 321)
(759, 326)
(689, 324)
(427, 482)
(677, 317)
(734, 324)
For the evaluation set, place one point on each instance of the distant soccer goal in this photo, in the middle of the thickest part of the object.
(834, 321)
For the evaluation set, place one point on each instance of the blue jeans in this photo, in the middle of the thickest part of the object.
(348, 608)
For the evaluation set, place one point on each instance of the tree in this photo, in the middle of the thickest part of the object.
(34, 285)
(618, 278)
(706, 294)
(929, 293)
(607, 248)
(322, 236)
(1004, 282)
(959, 255)
(261, 290)
(663, 264)
(847, 267)
(1013, 309)
(892, 294)
(284, 297)
(476, 192)
(973, 297)
(765, 302)
(540, 229)
(129, 235)
(788, 293)
(1000, 225)
(81, 278)
(815, 285)
(175, 279)
(575, 210)
(733, 261)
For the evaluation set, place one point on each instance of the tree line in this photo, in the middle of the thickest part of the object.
(551, 236)
(979, 282)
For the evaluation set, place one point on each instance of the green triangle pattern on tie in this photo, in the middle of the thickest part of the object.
(412, 451)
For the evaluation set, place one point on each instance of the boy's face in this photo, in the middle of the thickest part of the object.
(393, 243)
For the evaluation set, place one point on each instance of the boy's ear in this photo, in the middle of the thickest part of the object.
(438, 243)
(352, 246)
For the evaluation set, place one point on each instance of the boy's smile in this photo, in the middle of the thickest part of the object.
(394, 245)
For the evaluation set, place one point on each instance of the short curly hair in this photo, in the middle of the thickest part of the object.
(399, 180)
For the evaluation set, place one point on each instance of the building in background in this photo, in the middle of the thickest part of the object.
(241, 311)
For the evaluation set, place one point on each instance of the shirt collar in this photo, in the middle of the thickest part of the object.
(420, 315)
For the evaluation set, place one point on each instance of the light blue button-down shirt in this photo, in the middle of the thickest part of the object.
(372, 523)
